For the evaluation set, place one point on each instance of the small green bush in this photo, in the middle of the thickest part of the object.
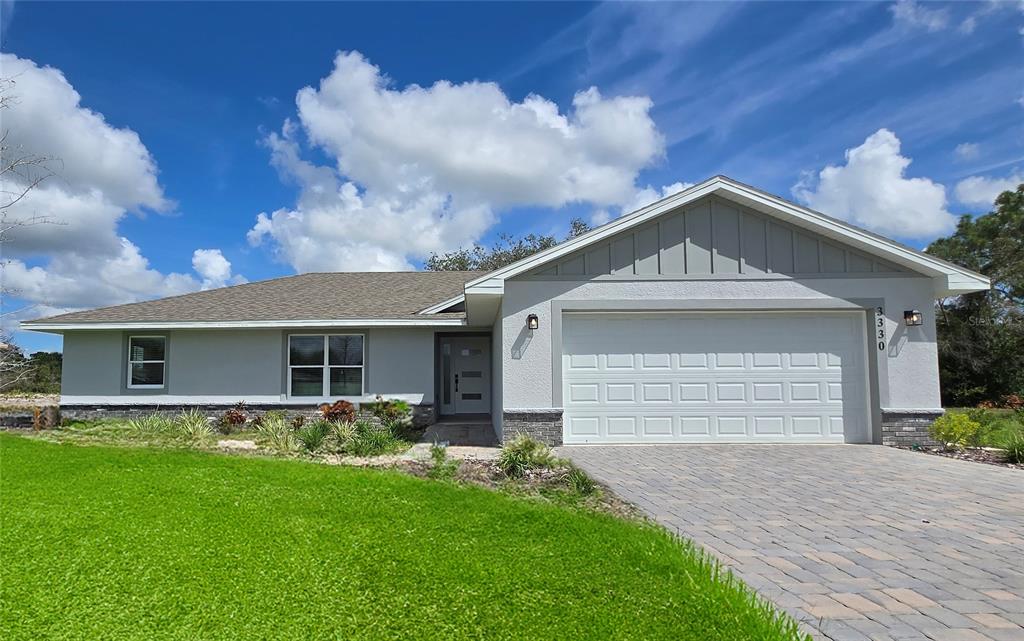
(1014, 446)
(579, 481)
(370, 439)
(958, 430)
(392, 411)
(151, 424)
(523, 453)
(276, 432)
(342, 432)
(442, 468)
(311, 437)
(193, 424)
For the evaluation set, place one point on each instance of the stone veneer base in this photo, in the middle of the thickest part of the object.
(541, 425)
(908, 428)
(422, 415)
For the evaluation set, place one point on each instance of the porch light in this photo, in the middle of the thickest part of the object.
(913, 318)
(532, 322)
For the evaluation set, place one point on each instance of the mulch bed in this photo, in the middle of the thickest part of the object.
(975, 454)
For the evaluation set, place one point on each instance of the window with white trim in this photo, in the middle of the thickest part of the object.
(147, 362)
(325, 365)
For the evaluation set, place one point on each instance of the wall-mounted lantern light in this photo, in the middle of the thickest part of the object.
(532, 322)
(913, 318)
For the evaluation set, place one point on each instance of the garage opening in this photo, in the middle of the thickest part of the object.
(723, 377)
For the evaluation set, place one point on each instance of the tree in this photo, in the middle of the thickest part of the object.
(981, 335)
(505, 251)
(20, 172)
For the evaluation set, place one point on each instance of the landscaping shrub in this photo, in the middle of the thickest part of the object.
(151, 424)
(442, 468)
(298, 422)
(958, 430)
(523, 453)
(579, 481)
(342, 432)
(338, 411)
(311, 437)
(370, 439)
(193, 424)
(233, 418)
(276, 432)
(1014, 446)
(392, 411)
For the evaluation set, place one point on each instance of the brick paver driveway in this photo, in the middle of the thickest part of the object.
(856, 541)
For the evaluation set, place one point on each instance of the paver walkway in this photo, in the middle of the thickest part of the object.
(855, 541)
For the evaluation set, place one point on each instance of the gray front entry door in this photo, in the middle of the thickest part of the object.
(465, 375)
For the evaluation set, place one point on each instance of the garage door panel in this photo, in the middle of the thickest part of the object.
(714, 378)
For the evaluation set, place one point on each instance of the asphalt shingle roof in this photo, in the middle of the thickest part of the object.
(321, 296)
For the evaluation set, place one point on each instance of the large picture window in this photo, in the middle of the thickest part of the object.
(325, 365)
(147, 362)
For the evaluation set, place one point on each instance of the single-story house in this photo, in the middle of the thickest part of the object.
(720, 314)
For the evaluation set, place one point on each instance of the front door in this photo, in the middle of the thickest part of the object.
(465, 375)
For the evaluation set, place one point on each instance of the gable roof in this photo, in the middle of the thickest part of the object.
(306, 300)
(950, 278)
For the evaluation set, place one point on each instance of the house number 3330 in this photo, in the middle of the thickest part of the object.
(880, 328)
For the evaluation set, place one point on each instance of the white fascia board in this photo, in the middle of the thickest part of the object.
(489, 287)
(760, 201)
(347, 322)
(443, 305)
(955, 284)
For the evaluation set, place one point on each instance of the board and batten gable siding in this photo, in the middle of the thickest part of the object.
(716, 237)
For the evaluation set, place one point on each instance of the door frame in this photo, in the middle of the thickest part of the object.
(438, 374)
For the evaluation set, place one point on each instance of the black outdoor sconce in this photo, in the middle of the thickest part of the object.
(532, 322)
(913, 318)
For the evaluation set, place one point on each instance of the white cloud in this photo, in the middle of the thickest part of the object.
(911, 14)
(101, 173)
(979, 191)
(967, 151)
(649, 194)
(214, 269)
(871, 191)
(424, 169)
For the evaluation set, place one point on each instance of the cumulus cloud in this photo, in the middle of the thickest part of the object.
(981, 191)
(424, 169)
(101, 173)
(872, 191)
(214, 269)
(649, 194)
(967, 151)
(912, 14)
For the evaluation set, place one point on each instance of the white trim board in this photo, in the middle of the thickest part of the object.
(262, 399)
(949, 278)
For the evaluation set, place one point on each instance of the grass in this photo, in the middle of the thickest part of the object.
(121, 543)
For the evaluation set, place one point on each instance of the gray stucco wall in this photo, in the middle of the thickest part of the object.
(401, 361)
(225, 363)
(224, 366)
(92, 363)
(907, 370)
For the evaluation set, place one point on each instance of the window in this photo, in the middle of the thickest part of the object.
(146, 362)
(323, 366)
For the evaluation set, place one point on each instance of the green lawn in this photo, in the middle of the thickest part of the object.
(113, 543)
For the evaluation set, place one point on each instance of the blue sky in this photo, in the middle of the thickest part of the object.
(182, 142)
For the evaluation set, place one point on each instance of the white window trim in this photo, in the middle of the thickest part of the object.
(132, 362)
(326, 383)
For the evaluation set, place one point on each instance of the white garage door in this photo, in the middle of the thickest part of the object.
(723, 377)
